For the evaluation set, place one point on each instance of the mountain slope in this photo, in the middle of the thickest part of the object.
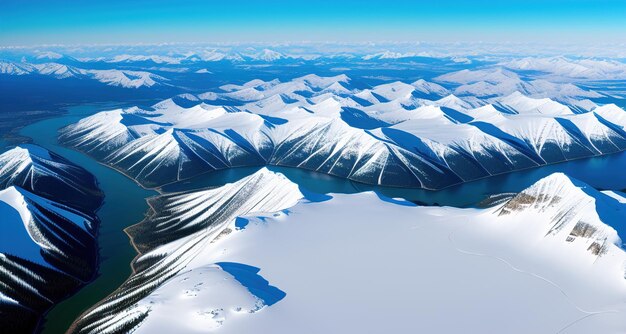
(181, 225)
(385, 135)
(50, 175)
(48, 243)
(572, 212)
(111, 77)
(237, 265)
(56, 237)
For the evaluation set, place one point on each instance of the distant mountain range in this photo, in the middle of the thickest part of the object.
(112, 77)
(483, 77)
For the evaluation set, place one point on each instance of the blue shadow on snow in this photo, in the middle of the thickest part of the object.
(249, 277)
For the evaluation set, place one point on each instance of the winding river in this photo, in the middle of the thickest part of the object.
(124, 205)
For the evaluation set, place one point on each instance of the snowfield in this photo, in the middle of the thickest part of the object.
(365, 263)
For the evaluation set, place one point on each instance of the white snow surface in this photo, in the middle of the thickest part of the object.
(364, 263)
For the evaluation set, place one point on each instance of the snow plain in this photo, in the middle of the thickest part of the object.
(364, 263)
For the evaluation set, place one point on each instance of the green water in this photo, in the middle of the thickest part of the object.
(125, 201)
(124, 205)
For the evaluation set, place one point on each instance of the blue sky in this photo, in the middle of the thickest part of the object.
(126, 21)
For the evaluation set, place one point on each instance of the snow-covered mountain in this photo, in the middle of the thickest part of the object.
(250, 54)
(179, 227)
(498, 82)
(141, 58)
(127, 79)
(47, 174)
(258, 255)
(466, 76)
(47, 250)
(561, 67)
(112, 77)
(264, 55)
(389, 55)
(429, 88)
(11, 68)
(391, 134)
(49, 55)
(47, 237)
(459, 53)
(47, 233)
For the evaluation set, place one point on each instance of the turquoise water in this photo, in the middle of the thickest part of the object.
(125, 201)
(124, 205)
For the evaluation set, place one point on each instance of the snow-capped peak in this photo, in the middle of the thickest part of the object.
(389, 55)
(49, 55)
(518, 103)
(572, 210)
(59, 71)
(563, 67)
(15, 69)
(127, 79)
(611, 113)
(490, 75)
(26, 228)
(269, 55)
(318, 82)
(427, 87)
(487, 113)
(20, 158)
(337, 88)
(453, 102)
